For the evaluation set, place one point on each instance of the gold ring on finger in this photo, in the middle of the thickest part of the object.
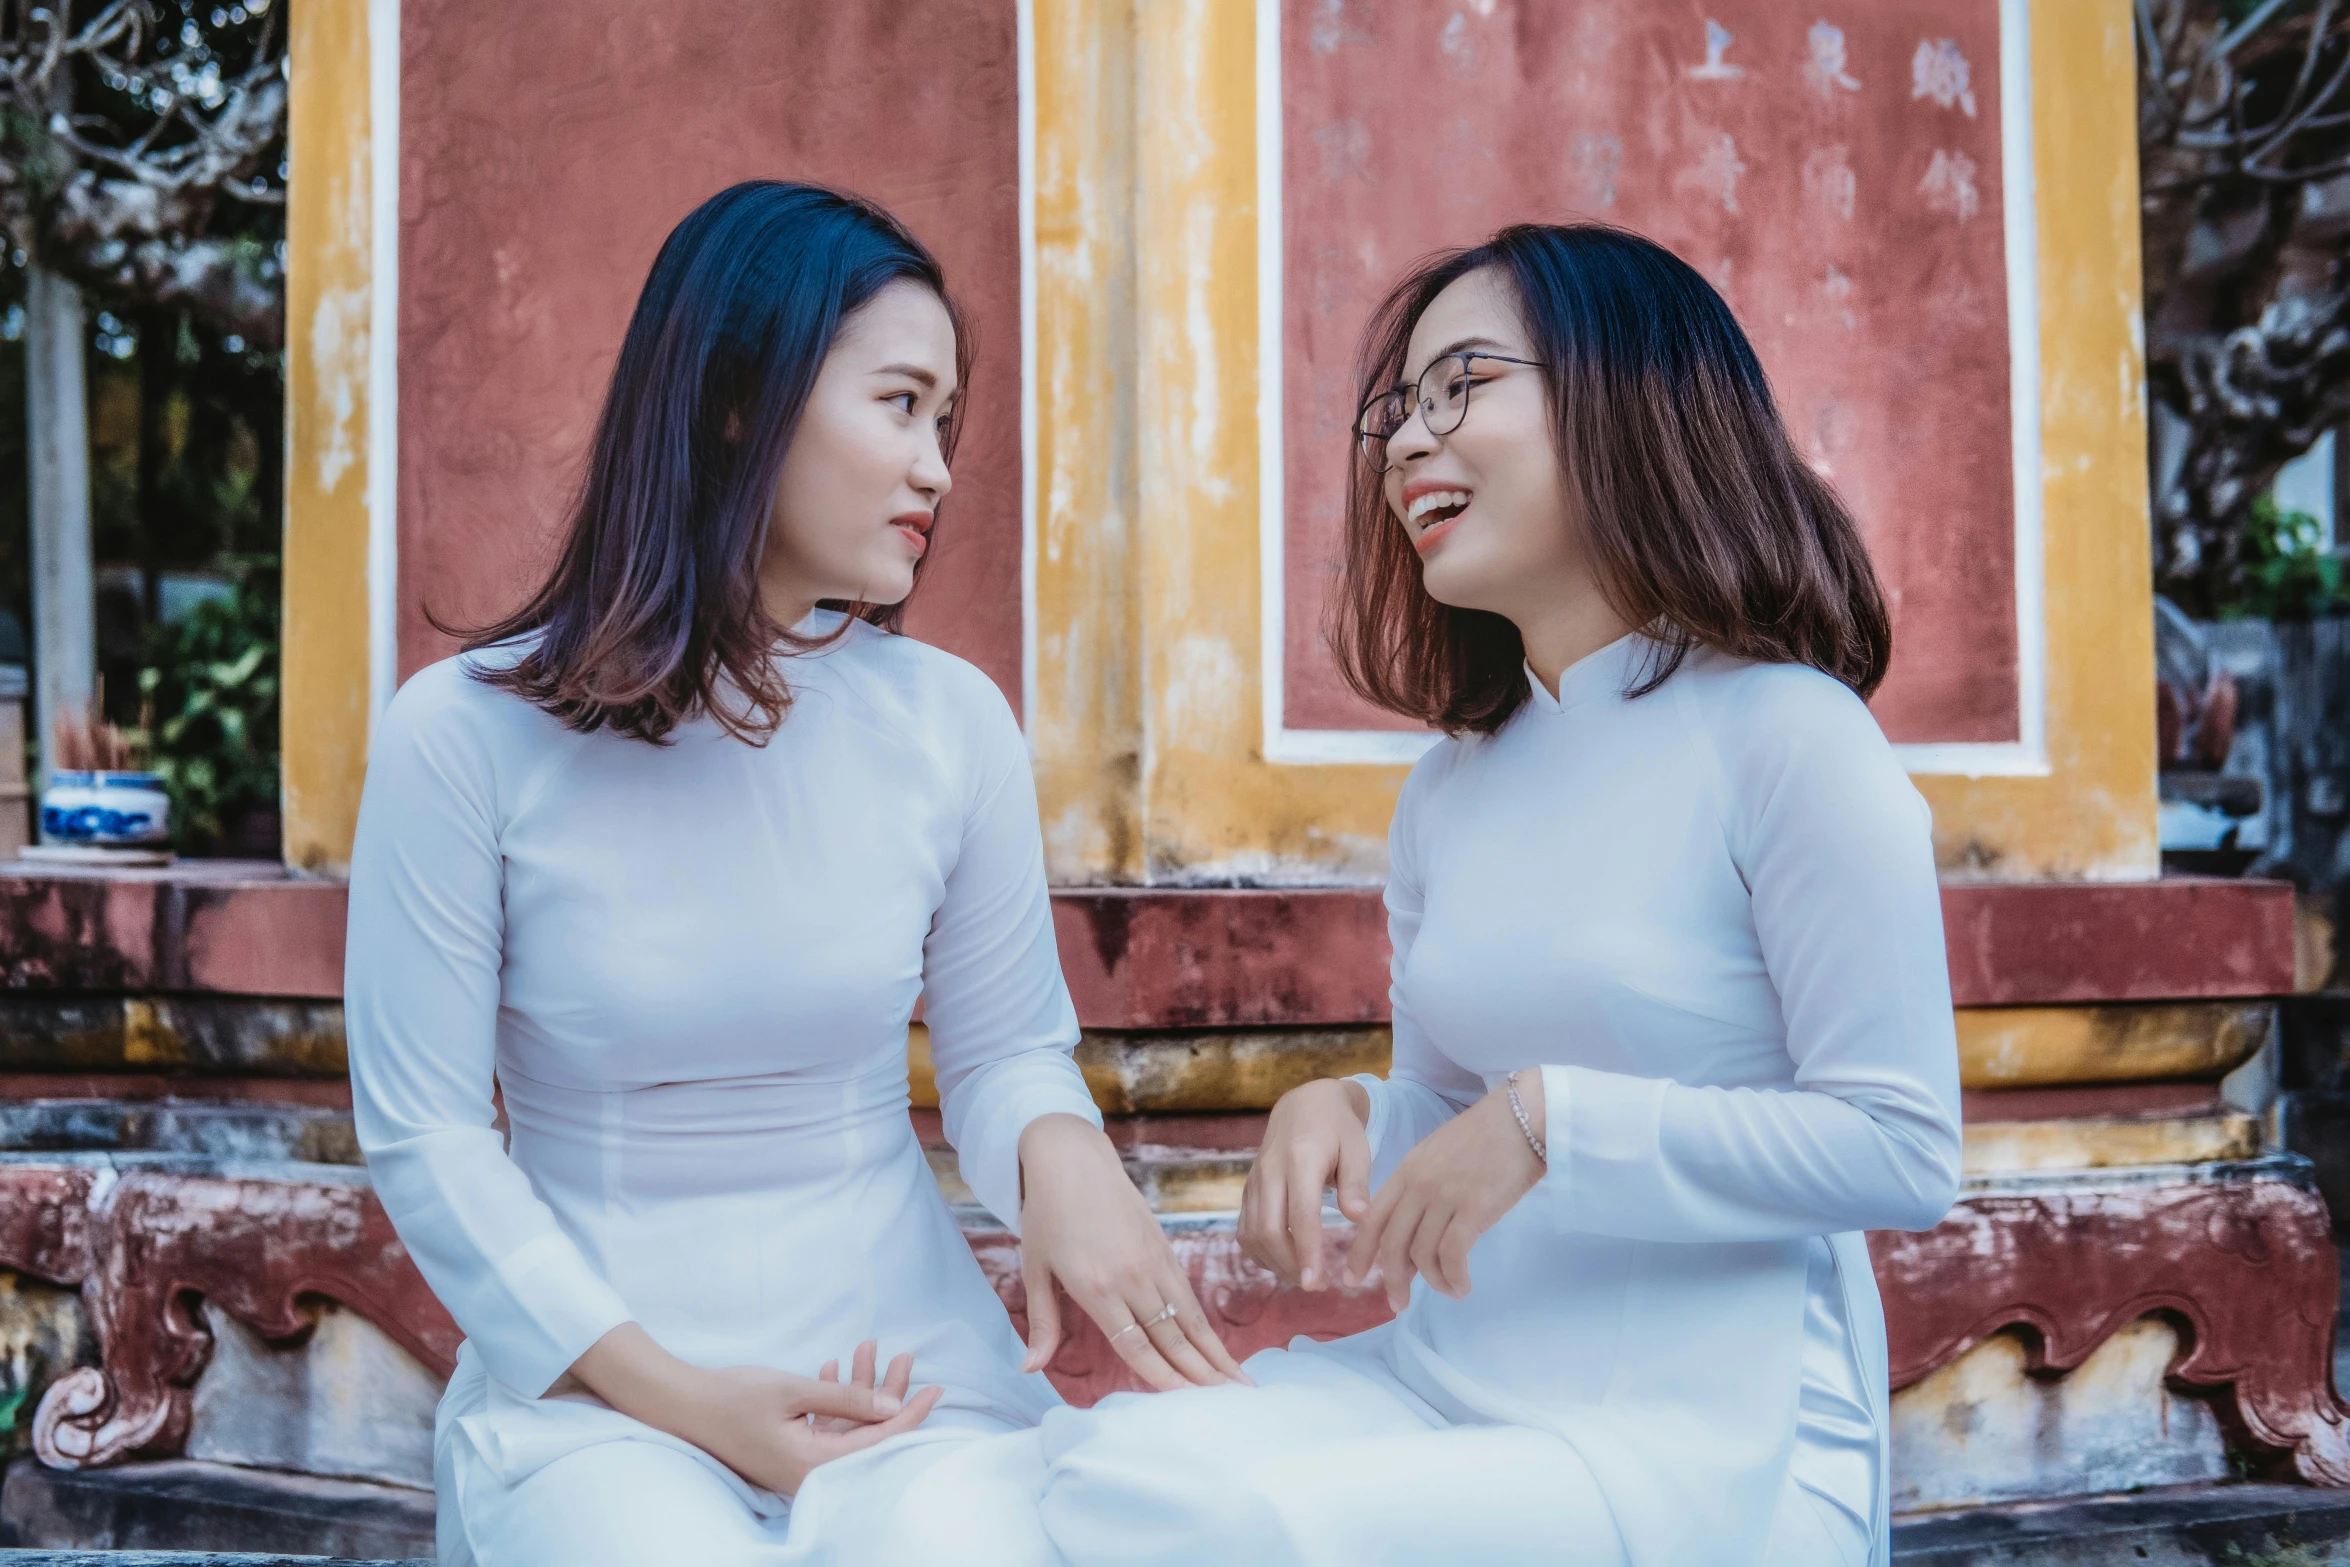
(1131, 1327)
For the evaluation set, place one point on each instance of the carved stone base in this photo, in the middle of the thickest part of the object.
(2240, 1257)
(150, 1241)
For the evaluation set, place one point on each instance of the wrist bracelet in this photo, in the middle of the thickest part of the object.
(1518, 1109)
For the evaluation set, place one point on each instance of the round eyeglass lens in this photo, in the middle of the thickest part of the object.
(1382, 417)
(1444, 394)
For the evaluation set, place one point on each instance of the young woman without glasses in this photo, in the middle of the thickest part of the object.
(669, 854)
(1672, 1017)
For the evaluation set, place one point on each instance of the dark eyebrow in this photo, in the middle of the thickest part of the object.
(912, 373)
(1457, 346)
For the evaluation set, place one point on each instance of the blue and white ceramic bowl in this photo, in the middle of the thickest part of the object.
(106, 810)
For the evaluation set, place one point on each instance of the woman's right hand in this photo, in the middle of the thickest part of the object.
(771, 1427)
(1313, 1139)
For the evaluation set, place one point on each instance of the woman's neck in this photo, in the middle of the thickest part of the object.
(1565, 633)
(786, 602)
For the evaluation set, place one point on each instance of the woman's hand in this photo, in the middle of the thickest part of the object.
(1313, 1139)
(768, 1426)
(1083, 1223)
(1448, 1191)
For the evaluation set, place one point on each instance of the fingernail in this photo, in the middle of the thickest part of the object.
(886, 1404)
(1311, 1279)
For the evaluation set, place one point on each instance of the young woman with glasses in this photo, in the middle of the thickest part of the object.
(667, 857)
(1672, 1017)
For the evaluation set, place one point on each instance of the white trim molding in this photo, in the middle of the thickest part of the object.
(2025, 756)
(383, 356)
(1030, 522)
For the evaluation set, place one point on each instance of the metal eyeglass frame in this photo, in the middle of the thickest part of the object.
(1423, 403)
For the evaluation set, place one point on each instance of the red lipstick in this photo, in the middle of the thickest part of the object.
(914, 528)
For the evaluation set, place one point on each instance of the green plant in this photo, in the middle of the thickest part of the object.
(2287, 572)
(209, 691)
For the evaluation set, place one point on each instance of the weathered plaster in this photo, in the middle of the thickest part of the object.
(1213, 809)
(528, 220)
(1087, 726)
(328, 235)
(2021, 1147)
(1210, 808)
(1877, 304)
(2017, 1047)
(343, 1400)
(1985, 1429)
(2124, 1055)
(2092, 815)
(1148, 665)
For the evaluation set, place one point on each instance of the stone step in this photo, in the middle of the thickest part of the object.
(2222, 1525)
(184, 1505)
(186, 1514)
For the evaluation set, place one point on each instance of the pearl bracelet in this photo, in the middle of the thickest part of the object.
(1518, 1109)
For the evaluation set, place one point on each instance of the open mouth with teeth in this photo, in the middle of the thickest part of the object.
(1433, 514)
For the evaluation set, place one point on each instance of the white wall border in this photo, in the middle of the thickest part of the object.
(2026, 756)
(1283, 744)
(383, 356)
(1031, 523)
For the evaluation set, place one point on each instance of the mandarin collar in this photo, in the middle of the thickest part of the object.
(1605, 673)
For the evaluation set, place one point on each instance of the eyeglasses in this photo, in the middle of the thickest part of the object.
(1441, 399)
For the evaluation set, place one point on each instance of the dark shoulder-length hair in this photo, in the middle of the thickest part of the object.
(1706, 526)
(652, 614)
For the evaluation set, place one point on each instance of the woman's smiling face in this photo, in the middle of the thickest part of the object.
(1486, 506)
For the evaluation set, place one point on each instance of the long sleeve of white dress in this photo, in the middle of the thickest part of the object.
(1832, 844)
(1835, 847)
(1708, 916)
(690, 968)
(420, 989)
(1001, 1023)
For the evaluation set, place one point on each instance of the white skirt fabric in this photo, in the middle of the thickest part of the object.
(606, 1491)
(1337, 1459)
(516, 1474)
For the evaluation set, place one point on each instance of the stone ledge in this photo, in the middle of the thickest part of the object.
(2186, 1526)
(181, 1505)
(235, 927)
(191, 1036)
(2021, 1048)
(1142, 958)
(2094, 1143)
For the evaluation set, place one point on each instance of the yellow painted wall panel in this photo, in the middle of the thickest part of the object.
(328, 229)
(2093, 816)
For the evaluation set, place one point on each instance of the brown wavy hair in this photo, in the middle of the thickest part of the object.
(1706, 526)
(652, 614)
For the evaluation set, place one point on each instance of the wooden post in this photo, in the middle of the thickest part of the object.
(65, 654)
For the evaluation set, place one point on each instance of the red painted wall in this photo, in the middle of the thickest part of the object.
(546, 151)
(1851, 217)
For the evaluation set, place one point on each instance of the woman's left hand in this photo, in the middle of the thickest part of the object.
(1449, 1190)
(1083, 1223)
